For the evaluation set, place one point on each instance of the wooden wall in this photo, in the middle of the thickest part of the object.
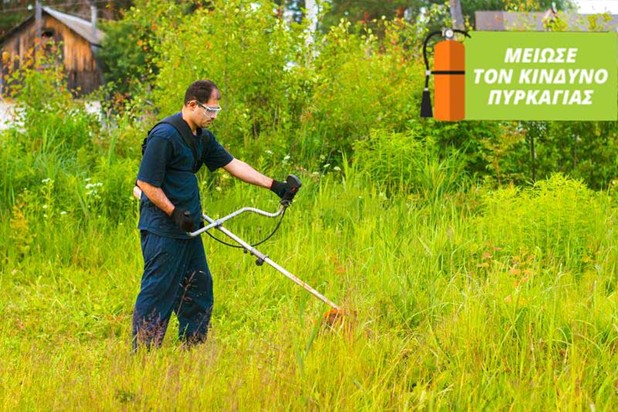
(81, 68)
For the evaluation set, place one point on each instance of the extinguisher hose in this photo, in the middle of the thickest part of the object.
(429, 36)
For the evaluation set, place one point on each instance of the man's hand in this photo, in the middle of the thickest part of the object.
(183, 219)
(279, 188)
(286, 190)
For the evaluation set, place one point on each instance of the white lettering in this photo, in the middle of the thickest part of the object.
(572, 52)
(507, 96)
(586, 76)
(477, 75)
(512, 55)
(537, 55)
(540, 97)
(524, 76)
(545, 97)
(519, 96)
(501, 76)
(546, 76)
(576, 97)
(531, 98)
(494, 96)
(491, 76)
(600, 76)
(560, 77)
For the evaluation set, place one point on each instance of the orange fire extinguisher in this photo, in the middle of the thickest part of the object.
(449, 81)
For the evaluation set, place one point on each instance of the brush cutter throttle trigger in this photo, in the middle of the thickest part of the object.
(294, 184)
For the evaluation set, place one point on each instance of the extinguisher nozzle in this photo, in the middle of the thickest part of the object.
(426, 104)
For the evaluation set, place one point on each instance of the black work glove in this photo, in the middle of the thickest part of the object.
(279, 188)
(183, 220)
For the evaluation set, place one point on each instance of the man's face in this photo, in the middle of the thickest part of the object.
(206, 113)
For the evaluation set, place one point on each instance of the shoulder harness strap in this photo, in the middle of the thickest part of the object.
(187, 136)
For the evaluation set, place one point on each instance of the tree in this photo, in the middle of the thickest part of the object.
(470, 6)
(130, 50)
(367, 10)
(457, 15)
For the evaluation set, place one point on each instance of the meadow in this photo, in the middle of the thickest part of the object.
(465, 284)
(497, 299)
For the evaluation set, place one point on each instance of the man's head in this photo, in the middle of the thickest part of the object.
(201, 104)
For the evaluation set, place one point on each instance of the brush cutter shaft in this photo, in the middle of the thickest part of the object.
(301, 283)
(262, 257)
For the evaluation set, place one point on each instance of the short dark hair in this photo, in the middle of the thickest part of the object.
(201, 90)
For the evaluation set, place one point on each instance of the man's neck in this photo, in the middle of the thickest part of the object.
(186, 116)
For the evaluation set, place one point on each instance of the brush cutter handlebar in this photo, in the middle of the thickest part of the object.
(286, 200)
(218, 222)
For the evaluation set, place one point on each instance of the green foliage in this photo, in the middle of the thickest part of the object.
(471, 6)
(402, 163)
(525, 151)
(313, 100)
(130, 50)
(366, 11)
(51, 155)
(248, 52)
(317, 97)
(362, 82)
(557, 219)
(53, 137)
(537, 322)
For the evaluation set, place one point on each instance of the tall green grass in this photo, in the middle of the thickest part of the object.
(449, 305)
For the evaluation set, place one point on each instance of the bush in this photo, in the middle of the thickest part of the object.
(362, 82)
(558, 218)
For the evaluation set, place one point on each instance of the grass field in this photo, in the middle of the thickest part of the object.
(480, 300)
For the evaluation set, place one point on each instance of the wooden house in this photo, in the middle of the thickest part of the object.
(75, 42)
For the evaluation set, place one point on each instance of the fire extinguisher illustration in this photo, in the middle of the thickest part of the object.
(449, 80)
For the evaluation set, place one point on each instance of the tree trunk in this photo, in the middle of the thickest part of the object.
(456, 14)
(312, 15)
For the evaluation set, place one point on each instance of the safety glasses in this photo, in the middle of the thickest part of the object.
(212, 110)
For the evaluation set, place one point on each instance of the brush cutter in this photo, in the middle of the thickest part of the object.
(332, 316)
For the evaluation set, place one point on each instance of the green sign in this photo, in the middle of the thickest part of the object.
(541, 76)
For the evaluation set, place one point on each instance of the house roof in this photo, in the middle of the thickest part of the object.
(80, 26)
(535, 21)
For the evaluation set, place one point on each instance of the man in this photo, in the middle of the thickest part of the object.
(176, 277)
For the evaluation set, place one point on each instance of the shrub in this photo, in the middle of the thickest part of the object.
(558, 218)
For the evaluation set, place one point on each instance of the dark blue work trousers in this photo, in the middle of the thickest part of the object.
(176, 279)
